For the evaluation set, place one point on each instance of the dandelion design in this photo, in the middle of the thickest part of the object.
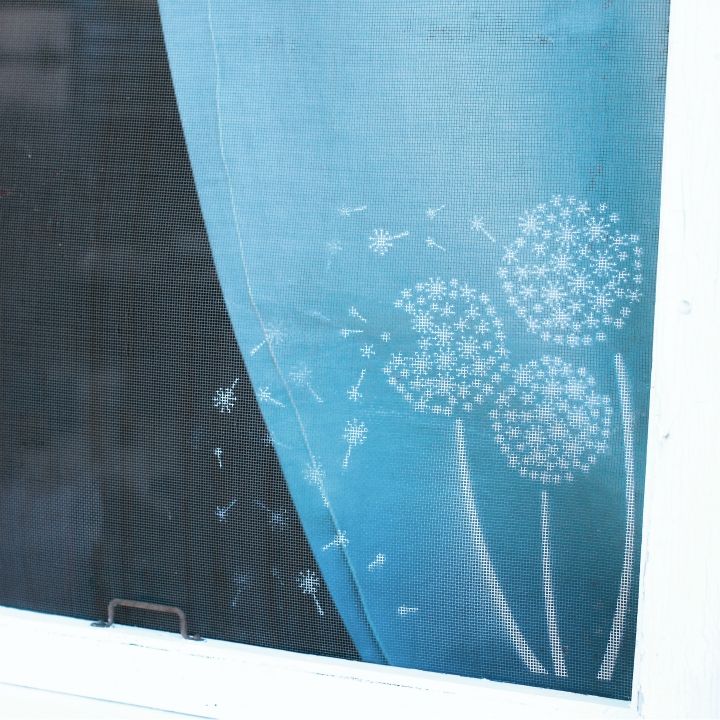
(551, 424)
(224, 399)
(273, 337)
(381, 241)
(315, 475)
(339, 541)
(276, 518)
(404, 610)
(355, 434)
(456, 366)
(617, 631)
(377, 562)
(353, 392)
(460, 349)
(478, 225)
(430, 243)
(571, 274)
(265, 396)
(301, 377)
(221, 511)
(432, 213)
(218, 453)
(355, 313)
(309, 583)
(346, 211)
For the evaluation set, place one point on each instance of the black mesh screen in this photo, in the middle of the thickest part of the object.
(113, 340)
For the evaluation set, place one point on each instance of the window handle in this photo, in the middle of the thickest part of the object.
(154, 607)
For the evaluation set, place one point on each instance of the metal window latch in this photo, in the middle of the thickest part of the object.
(139, 605)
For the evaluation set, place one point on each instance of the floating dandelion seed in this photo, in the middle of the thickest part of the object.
(457, 365)
(551, 425)
(274, 336)
(571, 275)
(378, 561)
(339, 541)
(302, 376)
(309, 583)
(381, 241)
(355, 313)
(354, 393)
(222, 511)
(314, 473)
(265, 396)
(276, 518)
(432, 244)
(348, 211)
(367, 350)
(217, 452)
(405, 610)
(431, 213)
(225, 398)
(478, 225)
(355, 433)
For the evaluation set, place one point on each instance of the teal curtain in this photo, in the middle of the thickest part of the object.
(435, 226)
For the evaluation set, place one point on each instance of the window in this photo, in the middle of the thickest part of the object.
(120, 350)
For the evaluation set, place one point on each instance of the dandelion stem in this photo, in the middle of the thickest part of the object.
(618, 626)
(550, 615)
(496, 593)
(317, 605)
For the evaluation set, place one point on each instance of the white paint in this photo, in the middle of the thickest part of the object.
(467, 497)
(618, 626)
(677, 662)
(550, 614)
(214, 679)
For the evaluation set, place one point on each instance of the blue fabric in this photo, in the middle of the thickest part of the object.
(435, 228)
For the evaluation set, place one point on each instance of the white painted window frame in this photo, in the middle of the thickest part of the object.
(677, 664)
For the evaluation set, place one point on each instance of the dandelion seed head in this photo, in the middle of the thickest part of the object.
(549, 421)
(570, 270)
(460, 345)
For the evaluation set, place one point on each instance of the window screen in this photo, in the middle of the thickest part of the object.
(331, 323)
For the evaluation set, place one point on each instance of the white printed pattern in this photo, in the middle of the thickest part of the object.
(314, 474)
(571, 275)
(381, 241)
(478, 225)
(224, 399)
(339, 541)
(550, 423)
(355, 433)
(607, 667)
(309, 583)
(558, 656)
(460, 348)
(377, 562)
(302, 377)
(497, 595)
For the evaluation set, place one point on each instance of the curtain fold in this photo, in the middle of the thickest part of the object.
(435, 228)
